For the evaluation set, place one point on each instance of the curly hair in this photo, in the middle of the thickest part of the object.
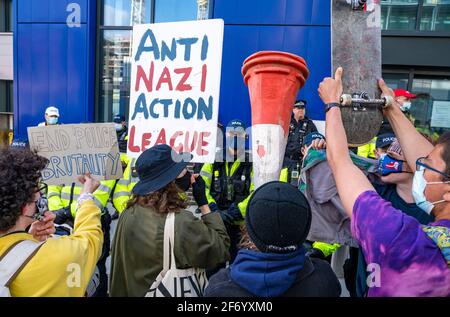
(168, 199)
(20, 172)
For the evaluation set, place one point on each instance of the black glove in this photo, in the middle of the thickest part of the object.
(199, 192)
(316, 253)
(231, 215)
(62, 215)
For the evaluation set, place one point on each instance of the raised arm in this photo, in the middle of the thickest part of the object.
(350, 181)
(413, 144)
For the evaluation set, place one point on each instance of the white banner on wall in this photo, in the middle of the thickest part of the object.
(175, 85)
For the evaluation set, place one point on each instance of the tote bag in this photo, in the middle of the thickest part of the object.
(173, 282)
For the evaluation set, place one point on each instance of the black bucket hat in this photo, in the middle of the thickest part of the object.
(157, 167)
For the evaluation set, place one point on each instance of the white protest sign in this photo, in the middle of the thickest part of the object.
(440, 117)
(175, 85)
(77, 149)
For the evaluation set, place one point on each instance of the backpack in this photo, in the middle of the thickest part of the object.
(13, 262)
(173, 282)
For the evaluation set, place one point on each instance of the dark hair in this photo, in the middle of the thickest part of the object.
(168, 199)
(20, 172)
(246, 242)
(444, 140)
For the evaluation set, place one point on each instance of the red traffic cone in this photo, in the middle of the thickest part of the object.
(273, 80)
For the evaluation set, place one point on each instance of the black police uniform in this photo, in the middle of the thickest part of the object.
(297, 132)
(121, 138)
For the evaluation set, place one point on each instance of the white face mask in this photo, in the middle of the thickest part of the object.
(418, 192)
(119, 127)
(406, 106)
(52, 120)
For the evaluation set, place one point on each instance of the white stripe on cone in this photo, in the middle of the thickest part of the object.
(268, 147)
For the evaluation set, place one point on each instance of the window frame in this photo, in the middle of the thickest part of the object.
(417, 31)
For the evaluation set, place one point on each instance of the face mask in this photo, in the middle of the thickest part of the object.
(184, 182)
(406, 106)
(119, 127)
(52, 121)
(388, 165)
(418, 192)
(41, 207)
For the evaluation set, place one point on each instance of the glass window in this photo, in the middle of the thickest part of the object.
(126, 12)
(175, 10)
(431, 108)
(399, 14)
(6, 96)
(435, 15)
(116, 74)
(396, 81)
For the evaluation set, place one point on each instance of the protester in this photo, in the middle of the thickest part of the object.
(59, 267)
(300, 126)
(51, 117)
(138, 243)
(272, 261)
(396, 187)
(413, 259)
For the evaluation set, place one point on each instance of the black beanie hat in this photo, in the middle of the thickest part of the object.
(278, 218)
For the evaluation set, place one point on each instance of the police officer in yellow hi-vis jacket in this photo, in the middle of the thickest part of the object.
(229, 181)
(62, 200)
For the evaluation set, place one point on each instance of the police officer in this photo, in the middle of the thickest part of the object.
(229, 181)
(122, 132)
(51, 117)
(300, 126)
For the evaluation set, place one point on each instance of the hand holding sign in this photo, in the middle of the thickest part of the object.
(90, 185)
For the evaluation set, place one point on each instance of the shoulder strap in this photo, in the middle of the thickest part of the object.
(15, 259)
(169, 241)
(72, 188)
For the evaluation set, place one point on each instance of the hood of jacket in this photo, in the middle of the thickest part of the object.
(267, 274)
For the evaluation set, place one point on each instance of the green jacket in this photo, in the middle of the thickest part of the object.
(137, 250)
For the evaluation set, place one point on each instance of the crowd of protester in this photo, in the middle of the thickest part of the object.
(389, 206)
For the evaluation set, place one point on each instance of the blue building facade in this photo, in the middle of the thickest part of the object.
(73, 54)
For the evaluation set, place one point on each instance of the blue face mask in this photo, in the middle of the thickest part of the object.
(388, 165)
(418, 192)
(52, 121)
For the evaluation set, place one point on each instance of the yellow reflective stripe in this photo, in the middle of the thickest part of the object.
(284, 175)
(234, 167)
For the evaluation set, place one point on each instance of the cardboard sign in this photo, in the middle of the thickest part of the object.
(175, 84)
(77, 149)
